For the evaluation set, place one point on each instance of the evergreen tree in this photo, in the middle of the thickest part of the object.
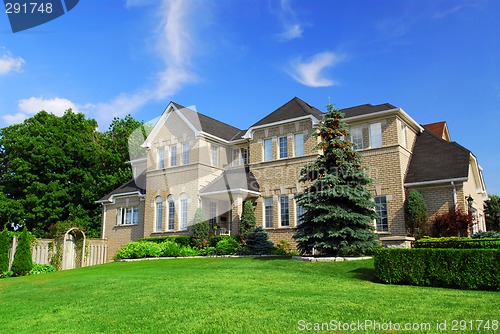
(248, 220)
(492, 213)
(201, 229)
(22, 263)
(416, 214)
(4, 250)
(258, 242)
(338, 210)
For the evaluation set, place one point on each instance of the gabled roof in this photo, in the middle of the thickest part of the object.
(435, 159)
(366, 109)
(208, 124)
(439, 128)
(129, 187)
(294, 108)
(238, 179)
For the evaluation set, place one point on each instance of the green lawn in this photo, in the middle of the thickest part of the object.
(226, 295)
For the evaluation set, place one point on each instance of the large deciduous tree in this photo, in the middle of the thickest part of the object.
(338, 210)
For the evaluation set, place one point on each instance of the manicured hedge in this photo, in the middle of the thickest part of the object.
(457, 242)
(182, 240)
(474, 269)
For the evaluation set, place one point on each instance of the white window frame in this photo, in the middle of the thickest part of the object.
(184, 212)
(268, 223)
(214, 155)
(284, 218)
(379, 225)
(283, 151)
(170, 213)
(267, 148)
(161, 157)
(298, 150)
(375, 134)
(185, 153)
(127, 216)
(244, 156)
(158, 214)
(173, 155)
(212, 214)
(357, 137)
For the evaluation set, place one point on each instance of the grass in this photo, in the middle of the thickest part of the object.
(225, 295)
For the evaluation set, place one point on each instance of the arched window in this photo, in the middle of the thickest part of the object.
(158, 214)
(171, 213)
(184, 212)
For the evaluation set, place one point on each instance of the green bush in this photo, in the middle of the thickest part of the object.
(22, 263)
(474, 269)
(214, 240)
(208, 251)
(258, 242)
(457, 242)
(188, 251)
(138, 250)
(487, 234)
(227, 246)
(201, 229)
(39, 268)
(170, 249)
(4, 250)
(282, 248)
(182, 240)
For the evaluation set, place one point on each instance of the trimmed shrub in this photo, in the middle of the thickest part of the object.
(214, 240)
(454, 223)
(258, 242)
(416, 214)
(182, 240)
(22, 263)
(201, 230)
(138, 250)
(474, 269)
(248, 219)
(457, 243)
(4, 250)
(227, 246)
(487, 234)
(39, 268)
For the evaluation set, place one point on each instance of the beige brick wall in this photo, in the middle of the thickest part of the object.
(438, 198)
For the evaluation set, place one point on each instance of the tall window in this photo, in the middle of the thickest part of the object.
(375, 135)
(244, 156)
(403, 135)
(381, 209)
(268, 149)
(298, 144)
(184, 211)
(214, 156)
(357, 137)
(300, 213)
(284, 211)
(283, 145)
(161, 157)
(158, 214)
(268, 212)
(213, 214)
(171, 213)
(173, 155)
(185, 154)
(127, 216)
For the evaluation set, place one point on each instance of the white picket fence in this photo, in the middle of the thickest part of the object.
(44, 249)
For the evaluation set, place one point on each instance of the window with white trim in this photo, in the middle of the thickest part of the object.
(244, 156)
(185, 153)
(381, 223)
(268, 212)
(300, 214)
(214, 156)
(213, 214)
(298, 144)
(184, 211)
(268, 149)
(161, 157)
(173, 155)
(284, 211)
(283, 147)
(127, 216)
(357, 137)
(171, 213)
(158, 214)
(376, 135)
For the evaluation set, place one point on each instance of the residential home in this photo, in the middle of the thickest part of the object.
(190, 160)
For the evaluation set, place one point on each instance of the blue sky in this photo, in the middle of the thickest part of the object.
(239, 60)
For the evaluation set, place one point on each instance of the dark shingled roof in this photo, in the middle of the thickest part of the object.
(128, 187)
(208, 124)
(292, 109)
(436, 159)
(365, 109)
(238, 178)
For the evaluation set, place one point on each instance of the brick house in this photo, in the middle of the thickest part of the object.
(190, 160)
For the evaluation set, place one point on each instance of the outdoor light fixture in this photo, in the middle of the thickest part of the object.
(470, 200)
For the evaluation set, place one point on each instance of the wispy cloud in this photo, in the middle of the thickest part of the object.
(292, 28)
(8, 63)
(309, 72)
(439, 14)
(29, 107)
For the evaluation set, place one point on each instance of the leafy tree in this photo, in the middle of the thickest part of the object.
(492, 213)
(248, 219)
(201, 229)
(338, 210)
(416, 214)
(453, 223)
(258, 242)
(22, 263)
(4, 250)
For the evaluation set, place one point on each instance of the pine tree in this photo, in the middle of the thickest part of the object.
(338, 210)
(22, 263)
(258, 242)
(248, 219)
(4, 250)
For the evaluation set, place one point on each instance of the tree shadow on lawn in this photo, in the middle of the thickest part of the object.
(366, 274)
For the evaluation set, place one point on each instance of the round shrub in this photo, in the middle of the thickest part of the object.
(227, 246)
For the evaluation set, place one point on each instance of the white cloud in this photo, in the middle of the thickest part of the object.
(292, 28)
(29, 107)
(293, 31)
(9, 63)
(309, 72)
